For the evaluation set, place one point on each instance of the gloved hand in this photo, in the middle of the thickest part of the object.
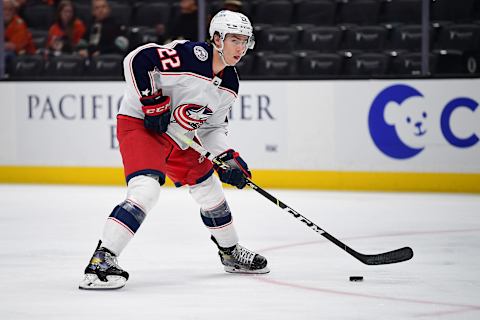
(157, 112)
(237, 172)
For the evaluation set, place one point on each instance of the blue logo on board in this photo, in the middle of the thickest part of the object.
(399, 122)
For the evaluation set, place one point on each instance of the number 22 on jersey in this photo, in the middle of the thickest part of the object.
(169, 58)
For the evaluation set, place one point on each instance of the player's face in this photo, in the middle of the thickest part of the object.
(234, 46)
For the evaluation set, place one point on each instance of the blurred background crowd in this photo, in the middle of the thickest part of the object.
(295, 39)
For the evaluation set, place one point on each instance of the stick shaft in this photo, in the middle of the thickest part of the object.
(394, 256)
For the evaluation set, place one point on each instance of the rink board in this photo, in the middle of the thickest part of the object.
(326, 180)
(358, 135)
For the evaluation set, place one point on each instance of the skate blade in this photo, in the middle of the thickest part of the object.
(92, 282)
(230, 269)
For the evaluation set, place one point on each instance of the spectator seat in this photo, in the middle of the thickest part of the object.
(65, 66)
(277, 64)
(26, 66)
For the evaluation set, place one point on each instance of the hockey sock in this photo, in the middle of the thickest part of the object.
(121, 226)
(219, 221)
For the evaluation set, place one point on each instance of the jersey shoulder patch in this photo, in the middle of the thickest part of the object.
(201, 53)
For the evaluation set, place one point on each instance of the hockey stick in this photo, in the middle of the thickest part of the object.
(395, 256)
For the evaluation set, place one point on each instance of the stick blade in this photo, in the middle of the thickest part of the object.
(395, 256)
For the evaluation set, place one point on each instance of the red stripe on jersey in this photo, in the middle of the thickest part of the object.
(185, 73)
(197, 76)
(133, 76)
(152, 82)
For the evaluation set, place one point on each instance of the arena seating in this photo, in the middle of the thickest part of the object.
(320, 64)
(358, 12)
(39, 17)
(26, 67)
(295, 39)
(315, 12)
(106, 66)
(65, 66)
(150, 14)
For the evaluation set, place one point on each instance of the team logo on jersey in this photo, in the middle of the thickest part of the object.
(200, 53)
(191, 116)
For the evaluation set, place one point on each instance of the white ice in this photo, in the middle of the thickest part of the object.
(48, 233)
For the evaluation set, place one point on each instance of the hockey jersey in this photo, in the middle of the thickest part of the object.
(183, 70)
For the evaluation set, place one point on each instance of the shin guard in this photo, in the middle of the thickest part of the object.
(219, 221)
(121, 225)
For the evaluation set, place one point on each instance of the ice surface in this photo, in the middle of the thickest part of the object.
(48, 234)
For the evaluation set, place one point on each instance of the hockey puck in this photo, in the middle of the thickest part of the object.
(356, 278)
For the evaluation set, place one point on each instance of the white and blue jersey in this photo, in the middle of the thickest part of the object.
(183, 70)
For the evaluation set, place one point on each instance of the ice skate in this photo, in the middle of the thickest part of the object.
(103, 272)
(238, 259)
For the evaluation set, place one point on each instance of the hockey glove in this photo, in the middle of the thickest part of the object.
(157, 113)
(237, 172)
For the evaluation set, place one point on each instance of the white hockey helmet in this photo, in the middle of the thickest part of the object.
(226, 21)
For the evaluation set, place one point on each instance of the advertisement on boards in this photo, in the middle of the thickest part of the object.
(73, 123)
(369, 125)
(427, 126)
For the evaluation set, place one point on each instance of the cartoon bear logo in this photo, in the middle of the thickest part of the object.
(398, 121)
(410, 120)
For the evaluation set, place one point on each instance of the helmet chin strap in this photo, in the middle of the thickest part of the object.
(220, 53)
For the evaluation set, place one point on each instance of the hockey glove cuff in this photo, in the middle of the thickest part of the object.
(237, 173)
(157, 113)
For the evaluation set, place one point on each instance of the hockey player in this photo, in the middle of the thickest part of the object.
(188, 88)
